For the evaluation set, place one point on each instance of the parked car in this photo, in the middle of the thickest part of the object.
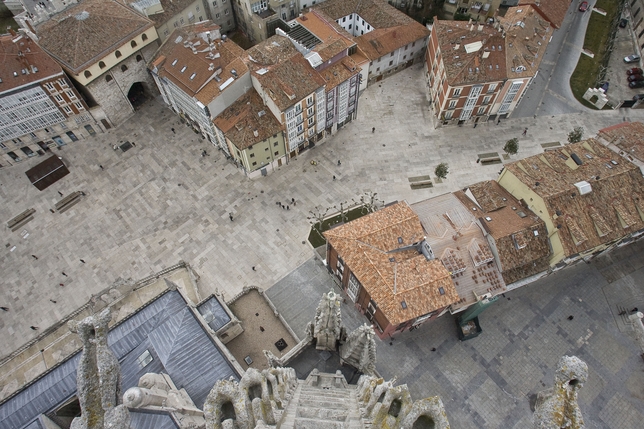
(623, 22)
(604, 87)
(631, 58)
(637, 84)
(583, 7)
(638, 97)
(635, 77)
(634, 70)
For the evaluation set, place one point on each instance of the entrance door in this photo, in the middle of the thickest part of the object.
(106, 124)
(264, 172)
(90, 130)
(27, 151)
(43, 146)
(279, 162)
(58, 141)
(72, 136)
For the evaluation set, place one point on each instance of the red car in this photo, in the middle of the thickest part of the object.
(634, 70)
(583, 7)
(635, 77)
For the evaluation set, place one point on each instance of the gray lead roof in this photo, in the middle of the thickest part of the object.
(166, 327)
(214, 313)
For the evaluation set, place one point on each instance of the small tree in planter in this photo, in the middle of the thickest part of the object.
(575, 135)
(441, 170)
(511, 146)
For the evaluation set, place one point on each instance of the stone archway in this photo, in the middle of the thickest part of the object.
(138, 95)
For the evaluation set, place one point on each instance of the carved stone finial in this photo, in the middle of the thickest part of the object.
(557, 407)
(328, 322)
(359, 350)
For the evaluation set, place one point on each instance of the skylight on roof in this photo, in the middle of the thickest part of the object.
(404, 305)
(174, 62)
(183, 68)
(192, 76)
(144, 359)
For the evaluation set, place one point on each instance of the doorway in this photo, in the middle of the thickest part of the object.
(137, 95)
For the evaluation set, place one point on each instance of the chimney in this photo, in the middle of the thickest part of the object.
(255, 133)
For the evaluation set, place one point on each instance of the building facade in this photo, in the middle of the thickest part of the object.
(259, 19)
(199, 74)
(39, 108)
(476, 10)
(476, 72)
(254, 137)
(107, 60)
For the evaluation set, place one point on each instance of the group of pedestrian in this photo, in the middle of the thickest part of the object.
(286, 206)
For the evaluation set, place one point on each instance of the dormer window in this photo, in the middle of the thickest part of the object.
(192, 76)
(87, 74)
(118, 54)
(144, 37)
(183, 68)
(174, 62)
(101, 64)
(133, 44)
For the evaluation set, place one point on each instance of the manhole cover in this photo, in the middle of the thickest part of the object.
(281, 344)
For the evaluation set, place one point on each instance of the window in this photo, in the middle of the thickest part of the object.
(67, 110)
(353, 288)
(457, 92)
(70, 94)
(176, 24)
(144, 359)
(182, 21)
(192, 76)
(217, 15)
(276, 153)
(87, 73)
(492, 87)
(197, 8)
(254, 163)
(275, 144)
(133, 44)
(62, 82)
(448, 115)
(226, 12)
(139, 58)
(144, 37)
(123, 68)
(391, 63)
(79, 105)
(252, 155)
(108, 78)
(59, 98)
(49, 86)
(392, 54)
(118, 54)
(101, 64)
(214, 3)
(481, 111)
(452, 104)
(413, 44)
(166, 32)
(486, 100)
(311, 121)
(183, 68)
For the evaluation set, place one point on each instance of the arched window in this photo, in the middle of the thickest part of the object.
(87, 73)
(108, 78)
(144, 37)
(133, 44)
(139, 58)
(123, 67)
(118, 54)
(101, 64)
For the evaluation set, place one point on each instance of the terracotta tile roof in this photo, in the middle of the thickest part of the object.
(628, 137)
(287, 82)
(521, 252)
(455, 236)
(339, 72)
(369, 247)
(31, 58)
(527, 36)
(334, 38)
(194, 72)
(485, 64)
(606, 213)
(392, 28)
(246, 116)
(552, 10)
(81, 34)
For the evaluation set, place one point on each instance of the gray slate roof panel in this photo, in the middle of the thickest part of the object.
(149, 420)
(214, 313)
(193, 360)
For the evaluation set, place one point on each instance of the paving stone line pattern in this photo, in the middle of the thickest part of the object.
(161, 201)
(491, 381)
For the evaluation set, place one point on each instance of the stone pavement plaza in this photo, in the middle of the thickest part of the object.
(161, 202)
(491, 381)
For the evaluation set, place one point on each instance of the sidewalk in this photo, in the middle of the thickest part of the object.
(161, 202)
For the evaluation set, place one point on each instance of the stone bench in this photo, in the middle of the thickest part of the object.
(18, 221)
(420, 182)
(68, 201)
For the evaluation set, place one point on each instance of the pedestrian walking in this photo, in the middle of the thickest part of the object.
(333, 177)
(230, 215)
(525, 131)
(35, 257)
(634, 310)
(173, 132)
(253, 267)
(339, 163)
(51, 210)
(4, 309)
(53, 301)
(61, 194)
(133, 144)
(82, 260)
(287, 208)
(61, 284)
(82, 193)
(34, 328)
(101, 167)
(498, 122)
(283, 207)
(293, 200)
(373, 130)
(63, 273)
